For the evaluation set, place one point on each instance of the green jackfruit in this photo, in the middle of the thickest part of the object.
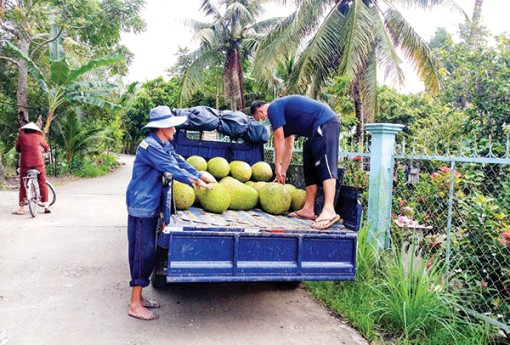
(240, 170)
(298, 197)
(274, 198)
(216, 200)
(184, 195)
(261, 171)
(218, 167)
(197, 162)
(289, 188)
(242, 197)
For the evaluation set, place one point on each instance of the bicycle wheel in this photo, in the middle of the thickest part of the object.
(52, 196)
(32, 197)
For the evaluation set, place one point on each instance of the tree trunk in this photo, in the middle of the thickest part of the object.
(22, 93)
(2, 173)
(232, 84)
(358, 108)
(475, 29)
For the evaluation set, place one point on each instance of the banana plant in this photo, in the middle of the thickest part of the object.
(64, 84)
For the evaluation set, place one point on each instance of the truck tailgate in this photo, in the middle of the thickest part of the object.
(255, 246)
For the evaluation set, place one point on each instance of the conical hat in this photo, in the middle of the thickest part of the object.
(31, 125)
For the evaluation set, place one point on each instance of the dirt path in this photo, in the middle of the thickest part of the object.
(64, 280)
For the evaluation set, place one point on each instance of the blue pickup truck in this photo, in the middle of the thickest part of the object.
(240, 246)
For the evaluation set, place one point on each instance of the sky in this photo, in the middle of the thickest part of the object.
(155, 48)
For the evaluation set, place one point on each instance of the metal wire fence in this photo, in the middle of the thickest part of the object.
(458, 206)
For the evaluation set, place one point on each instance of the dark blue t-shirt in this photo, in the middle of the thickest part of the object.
(298, 115)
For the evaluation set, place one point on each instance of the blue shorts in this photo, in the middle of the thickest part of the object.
(320, 154)
(142, 249)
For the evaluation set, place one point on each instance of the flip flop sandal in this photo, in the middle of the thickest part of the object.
(147, 303)
(153, 316)
(17, 213)
(327, 224)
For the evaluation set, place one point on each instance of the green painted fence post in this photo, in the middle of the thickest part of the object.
(381, 180)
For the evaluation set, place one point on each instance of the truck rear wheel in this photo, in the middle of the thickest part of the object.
(290, 285)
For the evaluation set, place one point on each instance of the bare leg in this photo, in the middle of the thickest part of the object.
(328, 211)
(308, 210)
(136, 308)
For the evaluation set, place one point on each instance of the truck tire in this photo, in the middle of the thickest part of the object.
(290, 285)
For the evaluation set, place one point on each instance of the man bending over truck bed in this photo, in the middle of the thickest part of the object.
(303, 116)
(154, 157)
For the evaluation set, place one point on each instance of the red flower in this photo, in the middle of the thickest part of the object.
(505, 239)
(428, 266)
(357, 158)
(435, 174)
(393, 215)
(445, 169)
(483, 284)
(402, 202)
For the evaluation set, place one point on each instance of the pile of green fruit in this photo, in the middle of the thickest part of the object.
(240, 187)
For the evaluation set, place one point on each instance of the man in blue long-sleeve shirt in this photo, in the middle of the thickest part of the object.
(154, 157)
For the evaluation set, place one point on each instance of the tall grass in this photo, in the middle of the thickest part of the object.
(397, 298)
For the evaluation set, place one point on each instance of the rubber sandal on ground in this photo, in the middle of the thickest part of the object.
(47, 211)
(153, 316)
(326, 223)
(17, 213)
(147, 303)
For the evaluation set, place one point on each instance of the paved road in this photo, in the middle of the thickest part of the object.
(64, 280)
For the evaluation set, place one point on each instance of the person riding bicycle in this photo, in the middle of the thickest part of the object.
(29, 142)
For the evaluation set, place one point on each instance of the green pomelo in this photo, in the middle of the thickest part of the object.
(261, 171)
(242, 197)
(249, 183)
(240, 170)
(197, 162)
(274, 198)
(184, 195)
(216, 200)
(298, 197)
(218, 167)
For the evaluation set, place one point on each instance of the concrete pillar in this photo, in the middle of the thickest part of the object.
(381, 180)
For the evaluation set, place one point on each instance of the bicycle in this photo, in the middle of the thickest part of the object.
(34, 194)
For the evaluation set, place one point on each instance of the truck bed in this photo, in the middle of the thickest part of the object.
(254, 220)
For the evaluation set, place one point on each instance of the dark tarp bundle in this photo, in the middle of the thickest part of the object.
(235, 124)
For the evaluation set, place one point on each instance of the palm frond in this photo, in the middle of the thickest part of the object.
(192, 77)
(264, 25)
(286, 35)
(359, 37)
(385, 52)
(209, 9)
(427, 4)
(196, 25)
(238, 14)
(368, 84)
(415, 49)
(319, 60)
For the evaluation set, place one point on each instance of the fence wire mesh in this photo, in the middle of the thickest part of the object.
(459, 213)
(457, 207)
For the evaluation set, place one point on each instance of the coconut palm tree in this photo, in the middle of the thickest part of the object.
(350, 38)
(228, 40)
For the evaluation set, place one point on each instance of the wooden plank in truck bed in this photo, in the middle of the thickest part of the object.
(252, 220)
